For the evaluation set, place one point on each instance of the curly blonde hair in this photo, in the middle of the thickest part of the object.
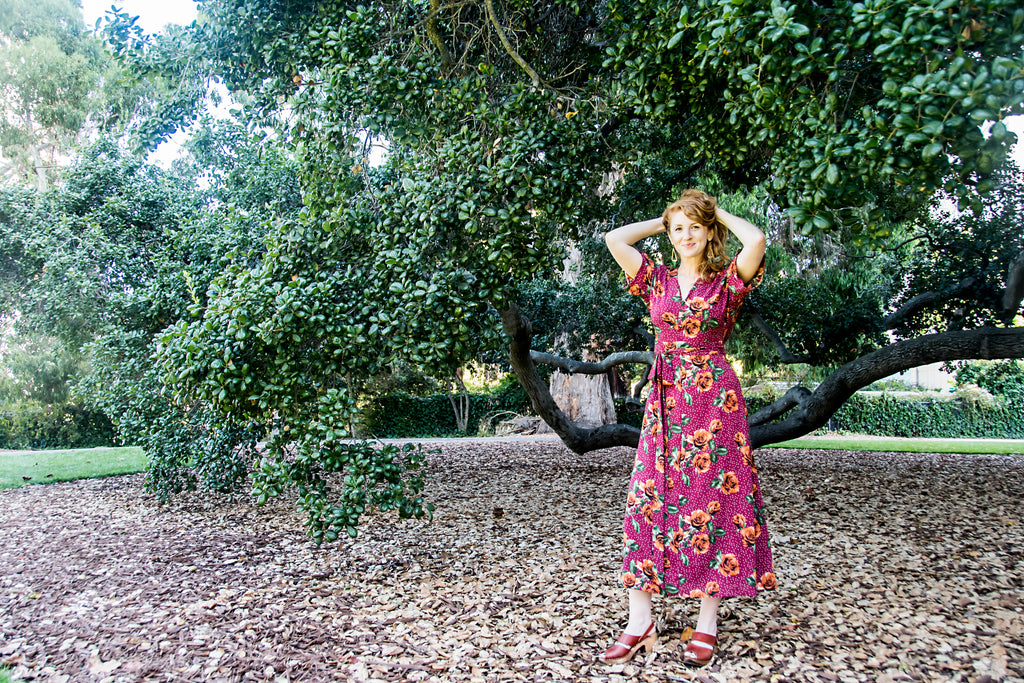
(700, 207)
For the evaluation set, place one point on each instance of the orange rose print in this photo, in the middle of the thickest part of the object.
(699, 519)
(713, 507)
(650, 488)
(757, 530)
(700, 438)
(697, 304)
(741, 439)
(748, 459)
(730, 403)
(704, 381)
(698, 593)
(648, 512)
(635, 289)
(730, 483)
(716, 426)
(647, 566)
(700, 360)
(631, 499)
(712, 588)
(739, 520)
(629, 580)
(701, 463)
(690, 327)
(768, 581)
(701, 544)
(659, 464)
(651, 587)
(658, 289)
(668, 562)
(659, 541)
(749, 534)
(670, 402)
(670, 483)
(729, 566)
(669, 319)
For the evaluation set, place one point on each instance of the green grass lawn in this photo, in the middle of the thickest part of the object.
(861, 442)
(44, 467)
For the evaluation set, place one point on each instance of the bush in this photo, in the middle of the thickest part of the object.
(30, 425)
(401, 415)
(972, 413)
(931, 418)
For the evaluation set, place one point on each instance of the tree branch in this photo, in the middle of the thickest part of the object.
(923, 301)
(794, 397)
(780, 347)
(435, 36)
(493, 16)
(574, 366)
(814, 410)
(520, 333)
(1013, 295)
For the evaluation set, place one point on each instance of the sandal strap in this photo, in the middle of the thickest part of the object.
(629, 640)
(699, 638)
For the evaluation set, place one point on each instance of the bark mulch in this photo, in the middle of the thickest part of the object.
(891, 566)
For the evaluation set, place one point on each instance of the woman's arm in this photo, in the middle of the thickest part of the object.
(620, 242)
(752, 239)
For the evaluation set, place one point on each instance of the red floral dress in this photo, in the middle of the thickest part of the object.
(695, 524)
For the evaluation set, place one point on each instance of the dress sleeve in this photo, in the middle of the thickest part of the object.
(737, 288)
(640, 284)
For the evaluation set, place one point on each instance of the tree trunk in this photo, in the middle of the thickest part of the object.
(577, 439)
(585, 399)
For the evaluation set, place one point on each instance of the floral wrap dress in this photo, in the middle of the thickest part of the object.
(695, 524)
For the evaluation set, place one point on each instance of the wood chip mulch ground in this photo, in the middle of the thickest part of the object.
(891, 567)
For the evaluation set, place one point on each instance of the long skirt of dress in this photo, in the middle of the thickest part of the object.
(695, 522)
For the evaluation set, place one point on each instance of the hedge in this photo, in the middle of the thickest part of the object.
(404, 416)
(34, 426)
(935, 418)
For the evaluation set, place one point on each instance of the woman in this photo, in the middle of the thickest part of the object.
(694, 520)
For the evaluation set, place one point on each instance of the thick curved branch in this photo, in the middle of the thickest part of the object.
(780, 347)
(434, 34)
(1013, 295)
(794, 397)
(923, 301)
(520, 333)
(814, 410)
(574, 366)
(493, 16)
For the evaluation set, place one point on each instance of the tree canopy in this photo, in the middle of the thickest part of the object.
(516, 132)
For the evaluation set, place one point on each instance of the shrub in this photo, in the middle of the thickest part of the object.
(31, 425)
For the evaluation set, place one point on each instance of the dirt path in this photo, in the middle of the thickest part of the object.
(892, 567)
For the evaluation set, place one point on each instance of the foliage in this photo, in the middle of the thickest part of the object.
(828, 102)
(237, 315)
(34, 425)
(401, 415)
(1002, 378)
(927, 417)
(59, 85)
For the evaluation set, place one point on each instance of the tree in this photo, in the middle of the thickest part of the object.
(506, 125)
(59, 84)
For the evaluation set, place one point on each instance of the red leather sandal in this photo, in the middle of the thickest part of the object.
(700, 649)
(624, 649)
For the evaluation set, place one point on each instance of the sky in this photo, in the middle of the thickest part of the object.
(153, 16)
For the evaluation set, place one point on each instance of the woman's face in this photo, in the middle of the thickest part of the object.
(687, 236)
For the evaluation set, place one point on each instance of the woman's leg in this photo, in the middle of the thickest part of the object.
(707, 621)
(639, 612)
